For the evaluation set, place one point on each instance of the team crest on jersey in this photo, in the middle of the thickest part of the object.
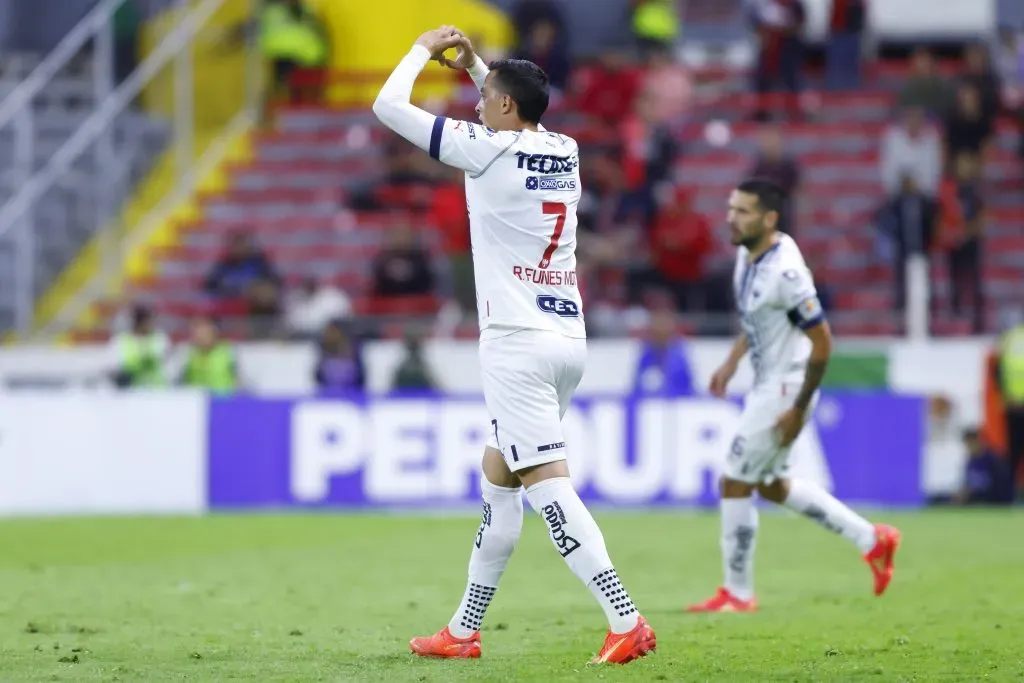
(810, 308)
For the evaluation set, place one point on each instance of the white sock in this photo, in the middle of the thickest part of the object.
(739, 539)
(579, 541)
(817, 504)
(499, 532)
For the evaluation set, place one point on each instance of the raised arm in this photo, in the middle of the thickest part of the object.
(461, 144)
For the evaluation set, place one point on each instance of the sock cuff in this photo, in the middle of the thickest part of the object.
(489, 489)
(797, 496)
(553, 482)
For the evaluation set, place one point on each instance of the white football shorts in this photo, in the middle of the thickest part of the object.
(529, 378)
(755, 456)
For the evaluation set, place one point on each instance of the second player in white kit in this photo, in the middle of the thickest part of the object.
(789, 343)
(522, 191)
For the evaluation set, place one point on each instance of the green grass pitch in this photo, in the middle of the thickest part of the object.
(336, 598)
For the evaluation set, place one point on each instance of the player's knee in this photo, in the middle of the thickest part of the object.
(496, 470)
(776, 491)
(733, 488)
(538, 473)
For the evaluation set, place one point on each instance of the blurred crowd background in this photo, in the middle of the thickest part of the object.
(139, 209)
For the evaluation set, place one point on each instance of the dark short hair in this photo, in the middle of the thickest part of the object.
(769, 195)
(527, 85)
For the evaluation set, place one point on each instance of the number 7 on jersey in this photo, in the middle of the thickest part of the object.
(553, 209)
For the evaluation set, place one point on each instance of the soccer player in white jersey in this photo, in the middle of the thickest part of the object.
(789, 341)
(522, 190)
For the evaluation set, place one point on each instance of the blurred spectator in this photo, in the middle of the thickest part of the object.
(667, 86)
(649, 156)
(655, 24)
(241, 266)
(413, 373)
(680, 244)
(968, 129)
(663, 368)
(527, 14)
(406, 164)
(292, 38)
(773, 164)
(963, 224)
(779, 25)
(210, 362)
(340, 364)
(914, 148)
(402, 267)
(926, 88)
(909, 219)
(448, 213)
(314, 305)
(610, 88)
(987, 478)
(1010, 380)
(983, 77)
(264, 315)
(847, 21)
(139, 353)
(545, 46)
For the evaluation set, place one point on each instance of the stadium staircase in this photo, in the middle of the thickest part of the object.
(67, 216)
(292, 195)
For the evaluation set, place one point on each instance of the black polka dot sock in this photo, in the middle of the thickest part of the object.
(470, 615)
(615, 601)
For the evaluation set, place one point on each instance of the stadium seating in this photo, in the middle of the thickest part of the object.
(293, 197)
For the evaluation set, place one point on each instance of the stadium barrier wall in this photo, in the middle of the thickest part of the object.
(418, 451)
(184, 453)
(273, 369)
(84, 454)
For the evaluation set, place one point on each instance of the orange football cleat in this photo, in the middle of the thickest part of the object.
(444, 644)
(622, 648)
(880, 559)
(724, 601)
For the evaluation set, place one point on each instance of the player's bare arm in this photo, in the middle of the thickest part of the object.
(792, 421)
(720, 380)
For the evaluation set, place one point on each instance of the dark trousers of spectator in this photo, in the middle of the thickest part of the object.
(843, 60)
(1015, 441)
(789, 74)
(965, 278)
(899, 280)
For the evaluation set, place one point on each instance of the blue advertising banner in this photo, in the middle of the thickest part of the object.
(361, 452)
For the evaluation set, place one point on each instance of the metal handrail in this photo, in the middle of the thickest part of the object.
(66, 50)
(92, 127)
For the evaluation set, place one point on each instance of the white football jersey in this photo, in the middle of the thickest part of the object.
(777, 300)
(522, 191)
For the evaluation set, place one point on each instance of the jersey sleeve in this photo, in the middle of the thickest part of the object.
(468, 146)
(800, 298)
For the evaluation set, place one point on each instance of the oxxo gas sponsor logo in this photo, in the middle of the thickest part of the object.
(413, 451)
(551, 184)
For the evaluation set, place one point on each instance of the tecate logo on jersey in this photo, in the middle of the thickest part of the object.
(563, 308)
(547, 163)
(552, 184)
